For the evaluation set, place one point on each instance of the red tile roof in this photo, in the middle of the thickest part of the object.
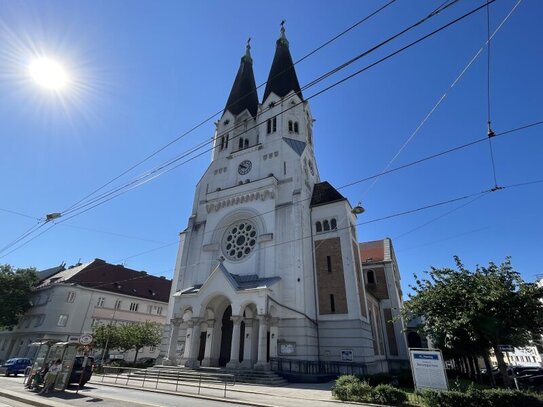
(373, 251)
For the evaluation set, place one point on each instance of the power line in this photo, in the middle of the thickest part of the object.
(192, 129)
(154, 173)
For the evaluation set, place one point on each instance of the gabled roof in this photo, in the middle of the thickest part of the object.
(243, 94)
(296, 145)
(371, 252)
(282, 78)
(324, 193)
(45, 274)
(114, 278)
(238, 282)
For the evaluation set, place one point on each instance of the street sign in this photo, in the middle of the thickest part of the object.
(506, 348)
(85, 339)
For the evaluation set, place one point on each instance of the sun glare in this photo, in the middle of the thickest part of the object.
(48, 73)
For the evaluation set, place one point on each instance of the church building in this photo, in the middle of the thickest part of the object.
(269, 265)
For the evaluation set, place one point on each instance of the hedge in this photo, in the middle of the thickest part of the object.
(352, 388)
(480, 398)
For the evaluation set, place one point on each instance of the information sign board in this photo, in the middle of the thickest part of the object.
(428, 369)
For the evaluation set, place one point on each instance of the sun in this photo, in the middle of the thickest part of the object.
(48, 73)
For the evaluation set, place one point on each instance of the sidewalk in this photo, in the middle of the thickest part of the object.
(120, 395)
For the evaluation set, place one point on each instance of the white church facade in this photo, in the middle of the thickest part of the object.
(269, 265)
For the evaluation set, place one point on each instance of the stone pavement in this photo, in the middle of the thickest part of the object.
(110, 394)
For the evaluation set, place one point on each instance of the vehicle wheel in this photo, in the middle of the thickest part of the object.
(15, 374)
(83, 383)
(6, 374)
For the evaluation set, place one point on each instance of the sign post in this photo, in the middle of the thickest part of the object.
(428, 369)
(85, 340)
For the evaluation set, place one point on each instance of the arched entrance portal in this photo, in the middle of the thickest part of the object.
(226, 337)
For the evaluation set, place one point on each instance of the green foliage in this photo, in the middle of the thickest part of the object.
(352, 388)
(467, 312)
(16, 290)
(376, 379)
(128, 337)
(389, 395)
(480, 398)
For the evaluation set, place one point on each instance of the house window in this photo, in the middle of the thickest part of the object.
(329, 264)
(318, 226)
(296, 128)
(71, 296)
(151, 348)
(118, 304)
(370, 275)
(134, 306)
(333, 224)
(332, 304)
(290, 127)
(62, 320)
(159, 310)
(326, 225)
(100, 302)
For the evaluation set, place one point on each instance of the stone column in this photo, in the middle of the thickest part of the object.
(171, 358)
(194, 344)
(248, 345)
(209, 342)
(261, 363)
(274, 333)
(188, 339)
(234, 350)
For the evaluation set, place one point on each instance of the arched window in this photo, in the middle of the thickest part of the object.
(333, 223)
(296, 129)
(290, 128)
(240, 144)
(370, 276)
(246, 143)
(326, 225)
(318, 226)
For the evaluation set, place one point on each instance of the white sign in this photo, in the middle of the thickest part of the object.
(85, 339)
(428, 369)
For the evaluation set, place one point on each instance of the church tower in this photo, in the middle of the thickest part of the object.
(268, 265)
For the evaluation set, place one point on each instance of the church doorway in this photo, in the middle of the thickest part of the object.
(226, 337)
(201, 351)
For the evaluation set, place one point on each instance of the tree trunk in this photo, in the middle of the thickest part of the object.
(471, 368)
(477, 370)
(491, 380)
(502, 366)
(136, 357)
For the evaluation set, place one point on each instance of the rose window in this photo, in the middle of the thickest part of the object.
(239, 240)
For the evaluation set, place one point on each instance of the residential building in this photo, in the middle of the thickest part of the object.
(269, 264)
(71, 301)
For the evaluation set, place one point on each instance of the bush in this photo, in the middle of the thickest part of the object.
(387, 394)
(376, 379)
(480, 398)
(351, 388)
(405, 379)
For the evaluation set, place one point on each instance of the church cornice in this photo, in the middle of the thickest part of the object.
(261, 194)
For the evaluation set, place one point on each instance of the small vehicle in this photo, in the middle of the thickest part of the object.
(15, 366)
(77, 370)
(145, 362)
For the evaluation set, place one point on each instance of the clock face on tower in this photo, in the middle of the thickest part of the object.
(244, 167)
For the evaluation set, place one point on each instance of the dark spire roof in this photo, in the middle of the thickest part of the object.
(243, 94)
(324, 193)
(282, 78)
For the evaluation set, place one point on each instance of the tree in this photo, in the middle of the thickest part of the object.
(127, 337)
(16, 290)
(469, 312)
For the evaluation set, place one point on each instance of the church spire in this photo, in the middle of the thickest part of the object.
(243, 94)
(282, 78)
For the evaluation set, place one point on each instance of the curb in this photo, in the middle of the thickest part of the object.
(30, 399)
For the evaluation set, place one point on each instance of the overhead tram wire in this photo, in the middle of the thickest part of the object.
(404, 166)
(141, 180)
(461, 147)
(442, 98)
(380, 219)
(434, 13)
(200, 124)
(312, 96)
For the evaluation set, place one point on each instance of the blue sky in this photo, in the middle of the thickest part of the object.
(144, 72)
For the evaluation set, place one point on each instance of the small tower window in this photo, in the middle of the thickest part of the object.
(329, 263)
(226, 140)
(268, 126)
(246, 143)
(296, 129)
(370, 275)
(222, 143)
(274, 124)
(332, 304)
(318, 226)
(326, 225)
(240, 144)
(333, 223)
(290, 128)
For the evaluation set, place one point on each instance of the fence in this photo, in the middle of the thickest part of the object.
(313, 367)
(176, 380)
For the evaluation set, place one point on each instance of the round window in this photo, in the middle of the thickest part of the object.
(239, 240)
